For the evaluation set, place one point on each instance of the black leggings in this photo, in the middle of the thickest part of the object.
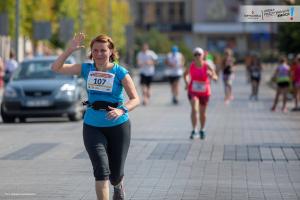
(107, 148)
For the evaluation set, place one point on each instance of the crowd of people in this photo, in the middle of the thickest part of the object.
(198, 72)
(106, 124)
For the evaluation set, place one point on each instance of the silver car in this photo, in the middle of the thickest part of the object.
(36, 91)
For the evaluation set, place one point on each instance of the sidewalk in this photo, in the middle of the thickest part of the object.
(249, 153)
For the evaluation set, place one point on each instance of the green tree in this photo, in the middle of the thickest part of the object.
(120, 18)
(160, 43)
(289, 37)
(157, 41)
(289, 34)
(96, 19)
(187, 52)
(95, 16)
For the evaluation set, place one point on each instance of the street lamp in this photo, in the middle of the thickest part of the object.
(81, 26)
(17, 28)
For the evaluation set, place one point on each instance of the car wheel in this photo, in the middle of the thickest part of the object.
(6, 118)
(76, 116)
(22, 119)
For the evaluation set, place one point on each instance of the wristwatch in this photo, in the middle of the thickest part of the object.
(124, 108)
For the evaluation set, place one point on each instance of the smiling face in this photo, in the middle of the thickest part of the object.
(101, 53)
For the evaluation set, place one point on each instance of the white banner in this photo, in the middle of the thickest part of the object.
(270, 13)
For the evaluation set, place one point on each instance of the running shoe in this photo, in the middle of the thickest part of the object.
(284, 110)
(119, 193)
(295, 109)
(202, 134)
(194, 135)
(175, 101)
(251, 97)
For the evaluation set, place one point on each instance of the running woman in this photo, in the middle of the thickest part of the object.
(146, 60)
(174, 71)
(255, 69)
(106, 125)
(228, 74)
(282, 77)
(197, 81)
(296, 82)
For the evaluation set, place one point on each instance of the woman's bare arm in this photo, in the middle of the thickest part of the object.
(59, 66)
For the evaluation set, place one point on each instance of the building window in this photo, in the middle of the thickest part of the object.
(181, 12)
(158, 11)
(171, 12)
(162, 13)
(140, 13)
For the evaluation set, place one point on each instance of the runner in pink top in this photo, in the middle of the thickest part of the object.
(197, 82)
(296, 82)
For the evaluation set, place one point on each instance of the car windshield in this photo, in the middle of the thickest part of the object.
(37, 70)
(160, 62)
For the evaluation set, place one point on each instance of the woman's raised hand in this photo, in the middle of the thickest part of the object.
(76, 42)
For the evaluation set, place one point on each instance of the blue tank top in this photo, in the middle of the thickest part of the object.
(113, 93)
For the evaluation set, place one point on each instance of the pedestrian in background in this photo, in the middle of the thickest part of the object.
(228, 74)
(197, 82)
(255, 69)
(106, 128)
(10, 66)
(218, 62)
(2, 73)
(248, 61)
(295, 74)
(210, 60)
(174, 70)
(146, 59)
(282, 78)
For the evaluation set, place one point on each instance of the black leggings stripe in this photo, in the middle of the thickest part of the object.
(107, 148)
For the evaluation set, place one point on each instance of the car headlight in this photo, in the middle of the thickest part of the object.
(10, 92)
(66, 91)
(67, 87)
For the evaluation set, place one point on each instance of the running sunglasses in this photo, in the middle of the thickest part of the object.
(197, 54)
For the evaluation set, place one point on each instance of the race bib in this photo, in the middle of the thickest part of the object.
(100, 81)
(198, 86)
(255, 74)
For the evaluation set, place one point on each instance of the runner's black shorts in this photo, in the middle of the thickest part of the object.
(255, 78)
(146, 80)
(283, 85)
(107, 148)
(173, 79)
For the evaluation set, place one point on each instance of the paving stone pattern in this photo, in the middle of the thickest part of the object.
(262, 153)
(249, 152)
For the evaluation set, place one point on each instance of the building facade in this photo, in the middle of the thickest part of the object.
(213, 25)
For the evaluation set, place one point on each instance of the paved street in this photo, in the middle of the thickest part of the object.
(249, 153)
